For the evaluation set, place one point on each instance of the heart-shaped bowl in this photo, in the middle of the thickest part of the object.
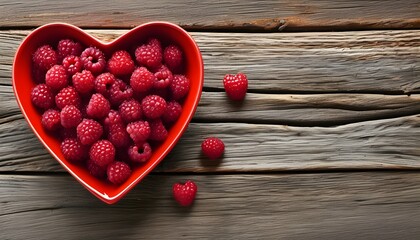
(51, 34)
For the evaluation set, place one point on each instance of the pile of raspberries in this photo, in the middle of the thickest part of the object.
(109, 112)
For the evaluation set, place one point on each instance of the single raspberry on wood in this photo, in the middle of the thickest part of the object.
(98, 106)
(56, 77)
(84, 82)
(236, 86)
(44, 58)
(213, 147)
(173, 58)
(180, 87)
(140, 153)
(67, 96)
(102, 153)
(50, 120)
(142, 80)
(118, 172)
(153, 106)
(93, 59)
(42, 96)
(70, 116)
(89, 131)
(149, 54)
(130, 110)
(120, 63)
(72, 64)
(73, 150)
(139, 131)
(68, 47)
(184, 194)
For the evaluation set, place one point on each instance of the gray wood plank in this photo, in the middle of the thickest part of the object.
(266, 15)
(333, 62)
(370, 205)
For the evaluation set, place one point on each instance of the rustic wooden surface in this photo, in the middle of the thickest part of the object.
(325, 146)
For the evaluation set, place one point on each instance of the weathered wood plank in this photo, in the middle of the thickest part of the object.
(372, 205)
(380, 144)
(372, 61)
(266, 15)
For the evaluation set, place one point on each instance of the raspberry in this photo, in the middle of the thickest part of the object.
(139, 131)
(213, 147)
(118, 172)
(44, 58)
(89, 131)
(95, 170)
(180, 87)
(158, 131)
(70, 116)
(56, 77)
(184, 194)
(130, 110)
(103, 83)
(142, 80)
(93, 60)
(67, 47)
(119, 92)
(121, 63)
(153, 106)
(149, 54)
(236, 86)
(72, 64)
(164, 78)
(51, 120)
(140, 154)
(102, 153)
(173, 57)
(113, 118)
(118, 135)
(67, 96)
(84, 82)
(98, 106)
(73, 150)
(42, 96)
(172, 112)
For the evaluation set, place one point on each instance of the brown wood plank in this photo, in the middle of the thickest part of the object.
(266, 15)
(368, 61)
(372, 205)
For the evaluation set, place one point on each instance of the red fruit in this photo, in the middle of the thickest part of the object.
(51, 120)
(139, 131)
(73, 150)
(118, 172)
(113, 118)
(117, 135)
(140, 153)
(130, 110)
(164, 78)
(180, 87)
(56, 77)
(149, 54)
(98, 106)
(42, 96)
(121, 63)
(67, 133)
(172, 112)
(158, 131)
(95, 170)
(184, 194)
(153, 106)
(173, 57)
(103, 83)
(142, 80)
(72, 64)
(102, 153)
(89, 131)
(70, 116)
(84, 82)
(119, 92)
(236, 86)
(44, 58)
(213, 147)
(67, 47)
(93, 60)
(67, 96)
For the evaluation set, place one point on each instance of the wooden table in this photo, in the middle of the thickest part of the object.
(325, 146)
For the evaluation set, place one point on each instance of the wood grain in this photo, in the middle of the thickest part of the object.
(371, 205)
(266, 15)
(330, 62)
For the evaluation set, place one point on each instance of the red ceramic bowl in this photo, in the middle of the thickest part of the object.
(51, 34)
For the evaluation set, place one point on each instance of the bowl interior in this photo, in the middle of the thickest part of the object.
(51, 34)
